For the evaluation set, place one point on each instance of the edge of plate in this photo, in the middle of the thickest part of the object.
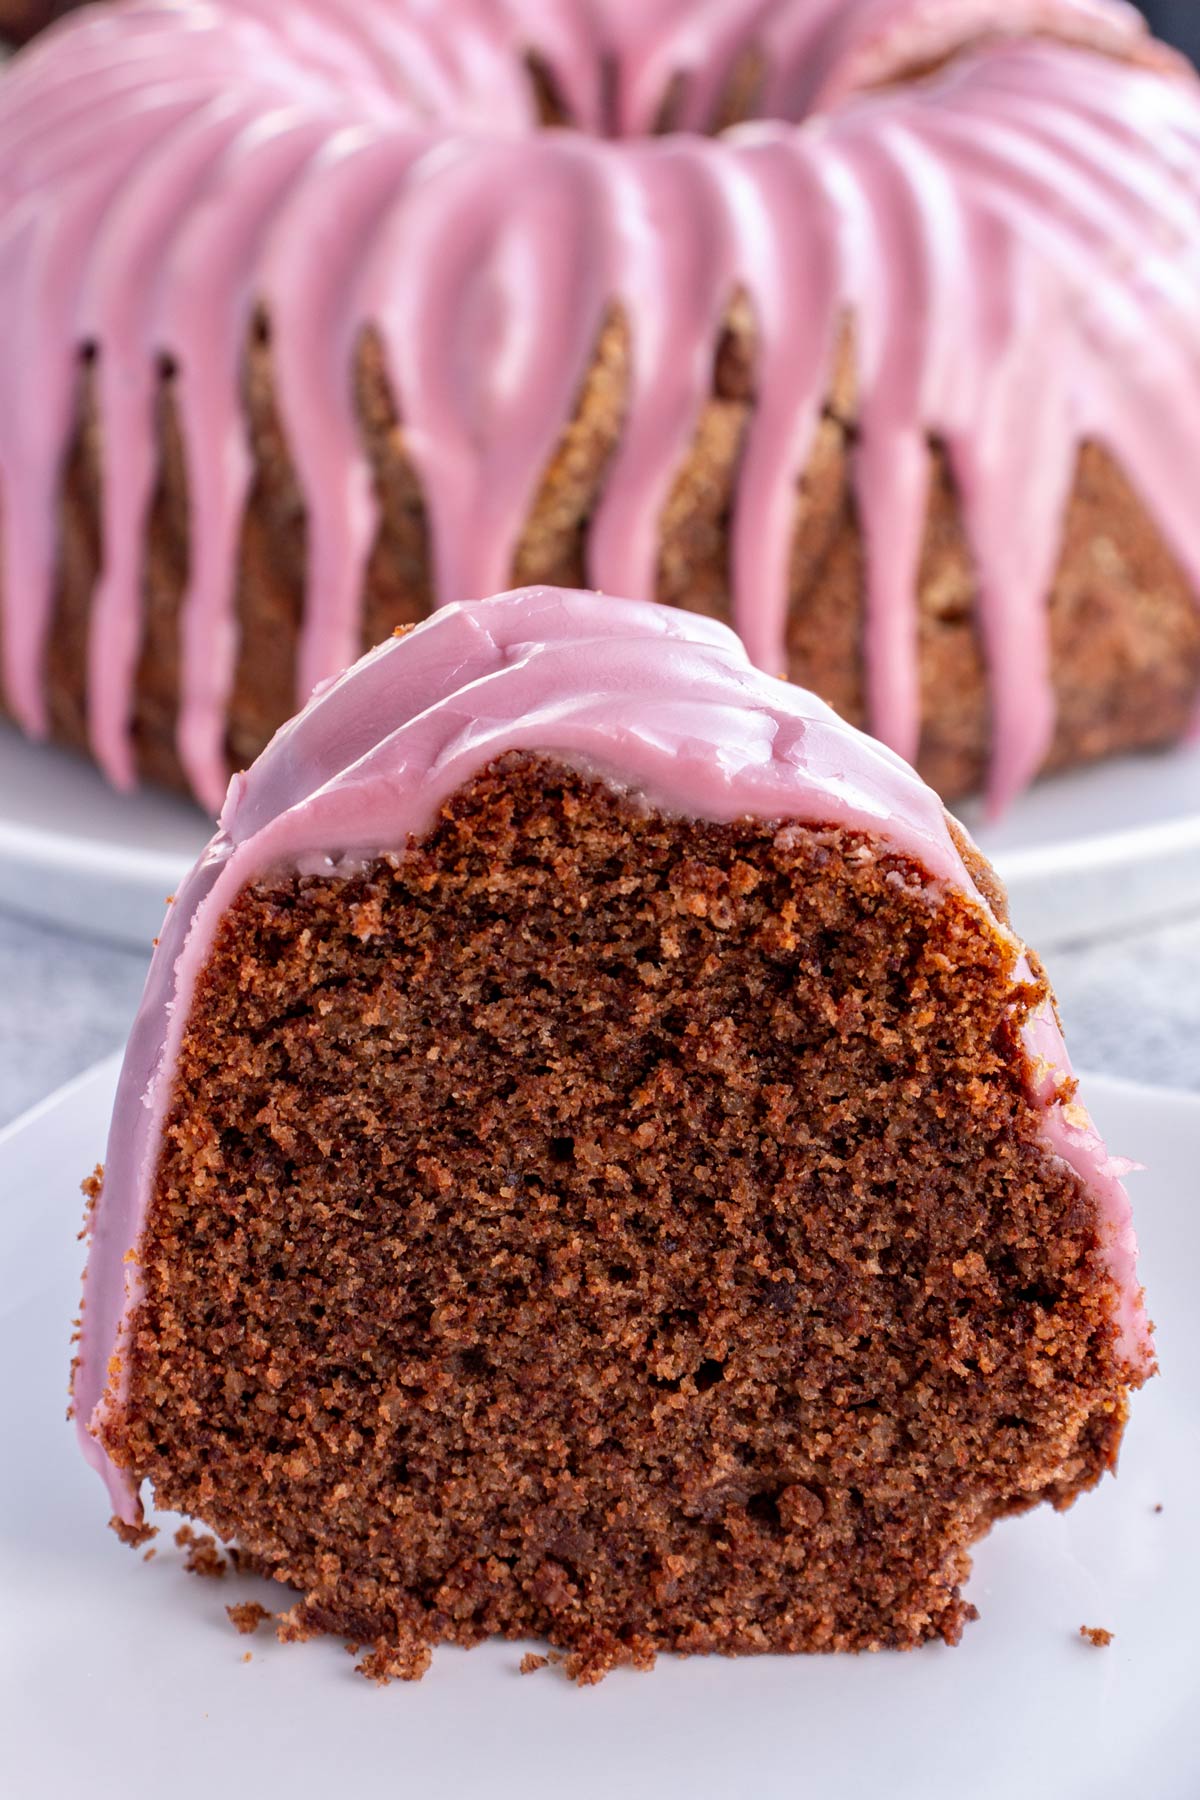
(58, 852)
(1166, 837)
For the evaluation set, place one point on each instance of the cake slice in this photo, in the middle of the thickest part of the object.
(594, 1162)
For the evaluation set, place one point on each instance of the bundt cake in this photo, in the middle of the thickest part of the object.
(869, 326)
(593, 1161)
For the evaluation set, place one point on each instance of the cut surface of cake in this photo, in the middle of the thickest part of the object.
(593, 1162)
(866, 326)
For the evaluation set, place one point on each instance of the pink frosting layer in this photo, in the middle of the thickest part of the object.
(658, 702)
(1017, 241)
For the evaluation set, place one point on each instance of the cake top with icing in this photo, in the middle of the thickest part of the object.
(659, 700)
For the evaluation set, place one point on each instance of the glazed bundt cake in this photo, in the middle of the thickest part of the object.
(869, 326)
(593, 1161)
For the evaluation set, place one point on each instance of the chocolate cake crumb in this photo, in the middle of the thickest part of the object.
(205, 1560)
(90, 1189)
(1096, 1635)
(530, 1664)
(406, 1661)
(203, 1557)
(133, 1535)
(150, 1554)
(247, 1616)
(589, 1665)
(246, 1563)
(1158, 1508)
(294, 1626)
(248, 1657)
(616, 1229)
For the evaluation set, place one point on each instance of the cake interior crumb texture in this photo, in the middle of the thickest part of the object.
(619, 1230)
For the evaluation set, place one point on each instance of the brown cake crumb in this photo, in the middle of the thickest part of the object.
(90, 1189)
(293, 1627)
(150, 1554)
(247, 1616)
(203, 1556)
(530, 1664)
(406, 1661)
(133, 1535)
(1096, 1635)
(246, 1563)
(640, 1239)
(595, 1660)
(1158, 1508)
(249, 1656)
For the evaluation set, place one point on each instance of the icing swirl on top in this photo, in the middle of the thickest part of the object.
(657, 702)
(1016, 241)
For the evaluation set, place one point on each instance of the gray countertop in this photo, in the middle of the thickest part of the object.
(1132, 1007)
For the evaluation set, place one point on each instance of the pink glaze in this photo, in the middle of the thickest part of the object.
(658, 702)
(1017, 242)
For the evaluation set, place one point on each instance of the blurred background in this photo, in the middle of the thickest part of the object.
(1178, 20)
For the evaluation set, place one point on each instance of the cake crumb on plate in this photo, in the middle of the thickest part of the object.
(203, 1557)
(247, 1616)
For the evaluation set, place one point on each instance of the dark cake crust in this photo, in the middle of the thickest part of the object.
(22, 19)
(1125, 624)
(620, 1229)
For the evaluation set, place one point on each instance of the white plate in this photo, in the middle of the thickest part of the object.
(1083, 856)
(1104, 850)
(119, 1679)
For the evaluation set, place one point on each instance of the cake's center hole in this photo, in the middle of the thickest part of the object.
(738, 99)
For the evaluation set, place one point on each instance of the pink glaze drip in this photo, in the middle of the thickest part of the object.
(1017, 243)
(206, 310)
(660, 703)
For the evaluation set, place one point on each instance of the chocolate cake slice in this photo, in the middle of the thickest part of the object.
(594, 1162)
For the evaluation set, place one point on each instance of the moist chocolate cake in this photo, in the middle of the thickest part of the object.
(593, 1162)
(867, 326)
